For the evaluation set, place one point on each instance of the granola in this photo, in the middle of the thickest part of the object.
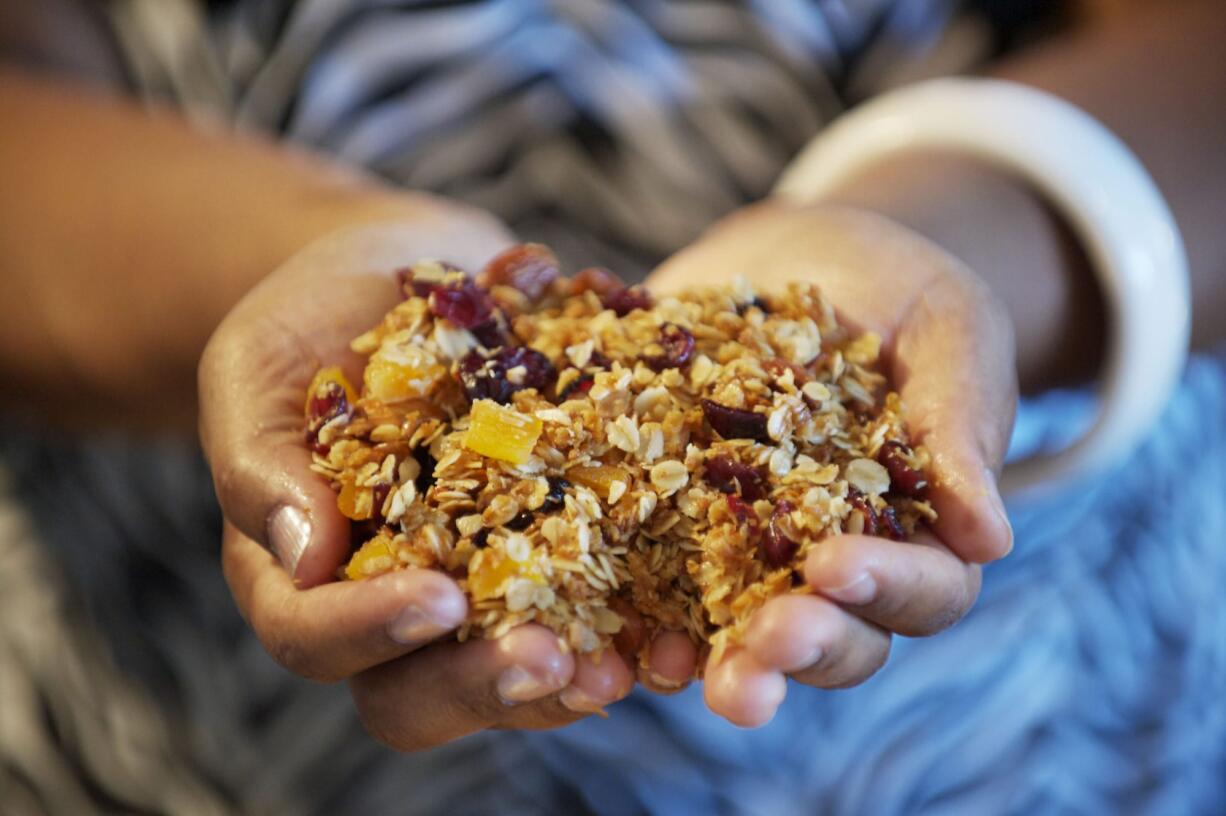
(570, 449)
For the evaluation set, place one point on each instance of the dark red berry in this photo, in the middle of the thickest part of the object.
(411, 286)
(462, 303)
(740, 510)
(481, 538)
(486, 376)
(425, 474)
(904, 479)
(864, 507)
(678, 345)
(520, 522)
(556, 497)
(890, 525)
(595, 279)
(776, 549)
(530, 268)
(327, 403)
(381, 489)
(626, 300)
(756, 303)
(491, 334)
(582, 384)
(726, 475)
(734, 423)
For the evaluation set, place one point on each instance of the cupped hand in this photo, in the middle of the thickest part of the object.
(285, 539)
(948, 349)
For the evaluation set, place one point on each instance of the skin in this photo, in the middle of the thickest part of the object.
(111, 334)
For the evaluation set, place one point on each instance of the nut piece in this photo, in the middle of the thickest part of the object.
(669, 476)
(867, 476)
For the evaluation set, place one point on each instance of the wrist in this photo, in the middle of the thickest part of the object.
(1002, 229)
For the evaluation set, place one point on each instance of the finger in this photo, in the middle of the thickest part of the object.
(913, 588)
(254, 374)
(671, 663)
(336, 630)
(600, 680)
(816, 642)
(253, 380)
(742, 690)
(453, 689)
(953, 364)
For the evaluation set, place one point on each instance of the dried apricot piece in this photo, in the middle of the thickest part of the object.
(501, 433)
(373, 558)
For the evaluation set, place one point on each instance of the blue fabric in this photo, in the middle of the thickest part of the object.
(1088, 679)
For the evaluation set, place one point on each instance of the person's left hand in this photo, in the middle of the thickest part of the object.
(947, 348)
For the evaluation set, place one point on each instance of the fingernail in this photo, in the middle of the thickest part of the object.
(518, 685)
(289, 533)
(861, 590)
(579, 701)
(998, 506)
(810, 660)
(415, 625)
(664, 682)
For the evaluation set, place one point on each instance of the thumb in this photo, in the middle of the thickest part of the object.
(954, 368)
(251, 398)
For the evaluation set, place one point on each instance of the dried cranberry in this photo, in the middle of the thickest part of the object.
(598, 359)
(756, 303)
(425, 473)
(380, 491)
(734, 423)
(678, 345)
(409, 285)
(777, 549)
(595, 279)
(520, 522)
(481, 538)
(633, 634)
(530, 268)
(491, 333)
(626, 300)
(462, 303)
(864, 507)
(486, 377)
(892, 526)
(742, 511)
(904, 479)
(726, 475)
(582, 384)
(556, 497)
(327, 403)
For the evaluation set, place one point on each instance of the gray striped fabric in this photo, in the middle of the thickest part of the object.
(1083, 683)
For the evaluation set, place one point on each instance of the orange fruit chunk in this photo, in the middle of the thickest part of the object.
(374, 558)
(598, 478)
(501, 433)
(401, 372)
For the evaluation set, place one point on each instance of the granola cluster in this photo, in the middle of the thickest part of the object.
(573, 449)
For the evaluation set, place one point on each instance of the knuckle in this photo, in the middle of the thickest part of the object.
(392, 732)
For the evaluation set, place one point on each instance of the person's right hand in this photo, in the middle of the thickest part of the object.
(285, 539)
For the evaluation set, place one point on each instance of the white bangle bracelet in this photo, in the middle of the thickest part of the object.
(1098, 185)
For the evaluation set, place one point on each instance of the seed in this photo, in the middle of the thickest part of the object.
(735, 423)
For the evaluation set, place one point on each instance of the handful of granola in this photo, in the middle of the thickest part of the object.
(572, 449)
